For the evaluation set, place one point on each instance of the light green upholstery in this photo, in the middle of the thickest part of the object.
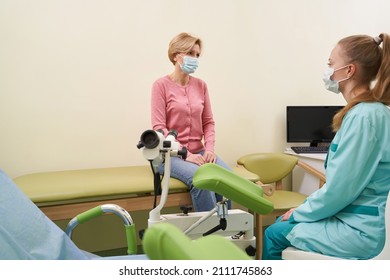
(285, 200)
(165, 241)
(246, 174)
(270, 167)
(70, 186)
(236, 188)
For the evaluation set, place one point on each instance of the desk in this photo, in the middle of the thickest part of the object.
(302, 181)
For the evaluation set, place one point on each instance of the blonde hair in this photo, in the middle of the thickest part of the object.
(373, 62)
(182, 43)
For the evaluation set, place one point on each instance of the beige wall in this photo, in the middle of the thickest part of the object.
(75, 76)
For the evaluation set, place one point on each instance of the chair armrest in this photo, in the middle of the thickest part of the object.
(268, 189)
(313, 171)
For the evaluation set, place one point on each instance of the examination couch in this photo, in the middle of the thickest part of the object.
(64, 194)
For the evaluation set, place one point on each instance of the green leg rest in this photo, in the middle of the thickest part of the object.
(236, 188)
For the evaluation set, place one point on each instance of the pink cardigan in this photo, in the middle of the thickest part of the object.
(186, 109)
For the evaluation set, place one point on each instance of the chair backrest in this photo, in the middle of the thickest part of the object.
(270, 167)
(385, 253)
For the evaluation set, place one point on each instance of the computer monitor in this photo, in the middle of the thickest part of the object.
(310, 124)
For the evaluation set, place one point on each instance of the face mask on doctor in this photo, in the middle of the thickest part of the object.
(330, 84)
(190, 64)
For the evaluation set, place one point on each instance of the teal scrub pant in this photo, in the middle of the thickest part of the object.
(275, 240)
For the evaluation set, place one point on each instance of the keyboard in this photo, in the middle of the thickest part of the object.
(310, 150)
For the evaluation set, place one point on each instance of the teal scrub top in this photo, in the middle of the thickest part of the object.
(345, 218)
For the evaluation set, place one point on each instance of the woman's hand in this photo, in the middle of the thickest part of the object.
(196, 158)
(286, 216)
(209, 157)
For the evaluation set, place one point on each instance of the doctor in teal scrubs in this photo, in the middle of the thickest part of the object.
(345, 218)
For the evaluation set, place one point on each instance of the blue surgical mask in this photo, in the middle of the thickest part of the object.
(330, 84)
(190, 64)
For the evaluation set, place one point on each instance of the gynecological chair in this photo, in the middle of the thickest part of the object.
(272, 168)
(235, 224)
(292, 253)
(166, 241)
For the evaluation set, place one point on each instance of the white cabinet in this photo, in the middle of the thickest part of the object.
(302, 181)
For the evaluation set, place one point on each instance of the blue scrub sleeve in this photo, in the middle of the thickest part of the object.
(352, 161)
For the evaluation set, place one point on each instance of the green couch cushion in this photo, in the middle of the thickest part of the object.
(89, 184)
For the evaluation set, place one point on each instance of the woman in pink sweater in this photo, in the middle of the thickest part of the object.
(181, 102)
